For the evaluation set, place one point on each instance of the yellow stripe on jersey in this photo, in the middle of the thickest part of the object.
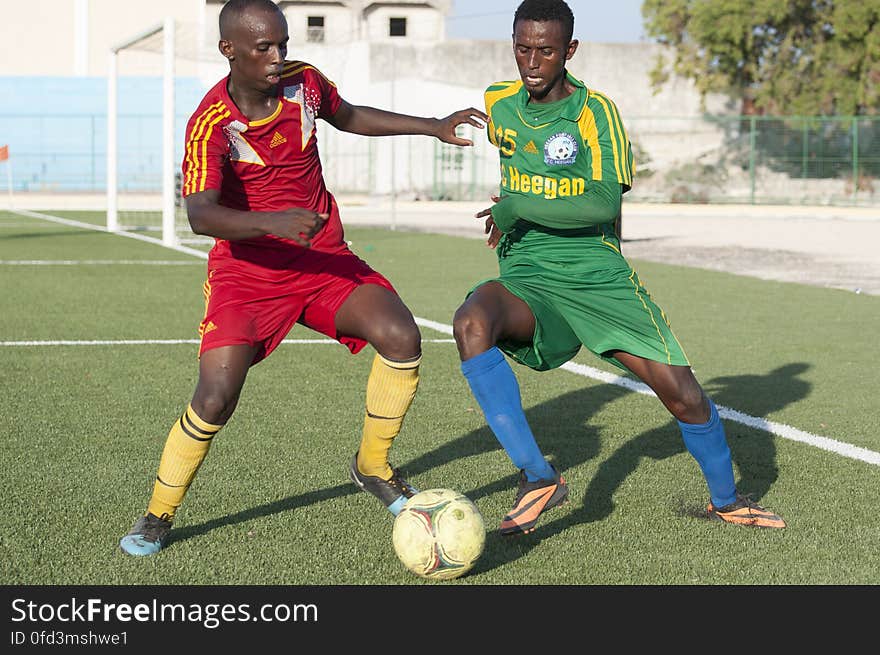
(526, 123)
(209, 129)
(590, 135)
(271, 117)
(619, 140)
(624, 138)
(625, 163)
(291, 68)
(492, 95)
(612, 132)
(190, 156)
(197, 170)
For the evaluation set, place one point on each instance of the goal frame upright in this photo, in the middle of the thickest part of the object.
(166, 28)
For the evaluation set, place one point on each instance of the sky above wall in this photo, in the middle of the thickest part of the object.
(601, 21)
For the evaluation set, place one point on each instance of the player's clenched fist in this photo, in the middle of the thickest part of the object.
(298, 224)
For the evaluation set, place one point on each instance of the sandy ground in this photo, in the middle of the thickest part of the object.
(835, 247)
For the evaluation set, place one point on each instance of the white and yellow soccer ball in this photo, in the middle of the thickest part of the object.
(439, 534)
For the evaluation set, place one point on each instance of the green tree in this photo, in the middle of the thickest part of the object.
(795, 57)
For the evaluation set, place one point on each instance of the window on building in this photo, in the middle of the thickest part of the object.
(397, 26)
(315, 33)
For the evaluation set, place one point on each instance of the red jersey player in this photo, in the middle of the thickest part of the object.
(252, 179)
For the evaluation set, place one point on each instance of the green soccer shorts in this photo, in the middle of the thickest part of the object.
(582, 291)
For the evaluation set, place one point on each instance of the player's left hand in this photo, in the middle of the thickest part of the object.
(471, 116)
(491, 229)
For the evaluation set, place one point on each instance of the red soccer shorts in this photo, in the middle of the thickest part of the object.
(248, 304)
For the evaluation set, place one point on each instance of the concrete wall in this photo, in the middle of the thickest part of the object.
(73, 37)
(437, 79)
(420, 79)
(418, 75)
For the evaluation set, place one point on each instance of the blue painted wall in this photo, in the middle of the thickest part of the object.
(56, 129)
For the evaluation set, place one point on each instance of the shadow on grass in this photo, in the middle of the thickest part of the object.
(567, 438)
(45, 234)
(753, 453)
(283, 505)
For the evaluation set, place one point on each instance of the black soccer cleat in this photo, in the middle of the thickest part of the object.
(393, 493)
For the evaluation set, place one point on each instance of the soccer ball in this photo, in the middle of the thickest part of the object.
(439, 534)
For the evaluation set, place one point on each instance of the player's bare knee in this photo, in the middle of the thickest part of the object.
(690, 406)
(470, 328)
(462, 323)
(214, 407)
(398, 340)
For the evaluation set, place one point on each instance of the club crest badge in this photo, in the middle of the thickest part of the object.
(560, 149)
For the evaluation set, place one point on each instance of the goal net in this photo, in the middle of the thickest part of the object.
(152, 78)
(157, 77)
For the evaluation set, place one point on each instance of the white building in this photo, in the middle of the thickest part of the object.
(73, 37)
(393, 55)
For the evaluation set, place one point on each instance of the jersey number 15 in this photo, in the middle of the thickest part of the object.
(504, 138)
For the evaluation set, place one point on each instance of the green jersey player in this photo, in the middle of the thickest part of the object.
(565, 161)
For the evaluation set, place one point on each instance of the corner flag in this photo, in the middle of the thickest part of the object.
(4, 156)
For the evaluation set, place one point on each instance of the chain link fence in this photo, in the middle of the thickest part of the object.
(707, 159)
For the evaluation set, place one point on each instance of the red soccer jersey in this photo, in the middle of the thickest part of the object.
(265, 165)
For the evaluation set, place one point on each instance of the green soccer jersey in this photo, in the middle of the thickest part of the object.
(564, 164)
(564, 168)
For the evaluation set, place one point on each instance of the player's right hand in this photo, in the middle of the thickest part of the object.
(298, 224)
(471, 116)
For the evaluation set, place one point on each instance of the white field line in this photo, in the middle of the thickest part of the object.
(163, 342)
(93, 262)
(101, 228)
(779, 429)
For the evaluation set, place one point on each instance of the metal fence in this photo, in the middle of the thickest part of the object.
(758, 159)
(714, 159)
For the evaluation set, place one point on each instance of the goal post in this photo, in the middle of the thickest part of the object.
(169, 235)
(166, 28)
(142, 165)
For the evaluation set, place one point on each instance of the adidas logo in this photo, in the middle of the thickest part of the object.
(277, 140)
(208, 328)
(531, 148)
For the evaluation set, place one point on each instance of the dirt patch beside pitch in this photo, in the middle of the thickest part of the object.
(832, 247)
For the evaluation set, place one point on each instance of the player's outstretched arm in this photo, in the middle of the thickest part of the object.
(208, 217)
(600, 203)
(370, 121)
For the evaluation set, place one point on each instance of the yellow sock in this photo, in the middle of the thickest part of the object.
(390, 392)
(185, 450)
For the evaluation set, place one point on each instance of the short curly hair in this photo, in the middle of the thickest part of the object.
(546, 10)
(232, 11)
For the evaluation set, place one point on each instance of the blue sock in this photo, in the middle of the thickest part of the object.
(708, 445)
(496, 389)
